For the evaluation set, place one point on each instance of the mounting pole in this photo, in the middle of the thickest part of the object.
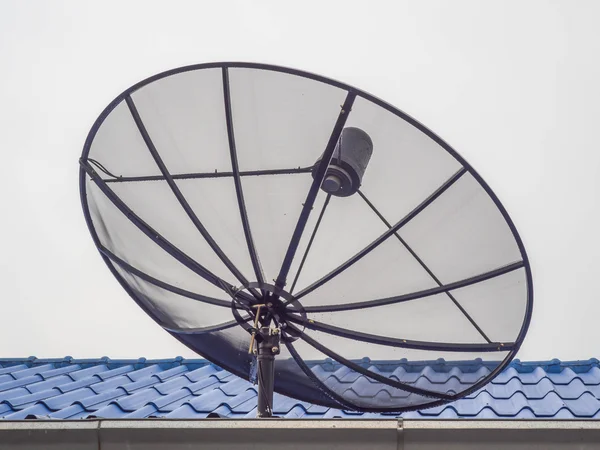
(268, 348)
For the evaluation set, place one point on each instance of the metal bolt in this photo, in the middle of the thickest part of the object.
(269, 305)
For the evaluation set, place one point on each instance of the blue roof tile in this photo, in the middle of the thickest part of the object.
(5, 409)
(107, 375)
(176, 404)
(141, 413)
(31, 371)
(110, 411)
(235, 386)
(295, 413)
(12, 393)
(141, 383)
(172, 401)
(9, 368)
(178, 388)
(174, 384)
(592, 376)
(96, 401)
(199, 387)
(585, 406)
(20, 382)
(24, 400)
(74, 411)
(225, 411)
(144, 372)
(88, 372)
(316, 410)
(39, 409)
(243, 402)
(64, 400)
(570, 391)
(49, 383)
(52, 373)
(169, 373)
(82, 382)
(185, 411)
(283, 404)
(223, 375)
(110, 384)
(203, 372)
(138, 400)
(208, 401)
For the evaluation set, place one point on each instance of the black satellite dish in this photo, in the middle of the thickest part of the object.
(254, 210)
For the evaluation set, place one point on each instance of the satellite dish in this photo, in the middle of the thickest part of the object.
(259, 212)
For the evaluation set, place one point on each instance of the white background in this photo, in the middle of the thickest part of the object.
(512, 85)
